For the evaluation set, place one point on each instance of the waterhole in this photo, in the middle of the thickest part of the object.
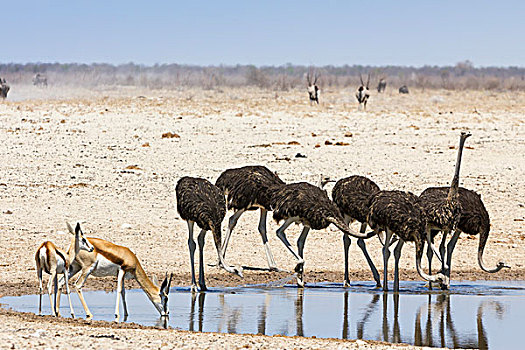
(479, 314)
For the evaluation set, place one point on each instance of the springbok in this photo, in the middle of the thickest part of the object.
(54, 262)
(108, 259)
(363, 93)
(313, 89)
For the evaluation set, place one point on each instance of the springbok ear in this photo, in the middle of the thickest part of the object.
(77, 228)
(164, 283)
(69, 228)
(155, 280)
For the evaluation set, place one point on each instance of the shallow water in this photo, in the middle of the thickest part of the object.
(479, 314)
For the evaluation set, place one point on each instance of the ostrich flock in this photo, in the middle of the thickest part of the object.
(392, 215)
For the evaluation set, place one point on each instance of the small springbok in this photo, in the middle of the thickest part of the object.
(108, 259)
(54, 262)
(313, 89)
(363, 93)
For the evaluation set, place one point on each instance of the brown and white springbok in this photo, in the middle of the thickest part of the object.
(108, 259)
(54, 261)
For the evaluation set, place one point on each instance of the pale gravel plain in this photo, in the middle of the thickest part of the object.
(98, 156)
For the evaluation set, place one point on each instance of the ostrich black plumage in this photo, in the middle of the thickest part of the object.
(310, 206)
(199, 201)
(352, 195)
(400, 213)
(443, 213)
(474, 220)
(247, 188)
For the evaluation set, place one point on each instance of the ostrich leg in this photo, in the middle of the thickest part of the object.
(450, 248)
(201, 241)
(346, 246)
(386, 256)
(231, 225)
(397, 255)
(300, 244)
(299, 268)
(431, 244)
(282, 236)
(361, 244)
(192, 246)
(430, 254)
(272, 266)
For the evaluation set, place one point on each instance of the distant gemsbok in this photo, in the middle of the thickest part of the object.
(363, 93)
(4, 88)
(40, 80)
(381, 86)
(313, 89)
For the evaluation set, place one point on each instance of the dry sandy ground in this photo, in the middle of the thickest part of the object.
(99, 157)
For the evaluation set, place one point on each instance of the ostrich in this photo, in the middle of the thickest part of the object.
(400, 213)
(199, 201)
(474, 220)
(403, 89)
(247, 188)
(363, 93)
(4, 88)
(443, 213)
(381, 87)
(310, 206)
(351, 195)
(313, 88)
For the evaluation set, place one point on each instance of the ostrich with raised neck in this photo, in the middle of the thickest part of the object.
(443, 214)
(474, 220)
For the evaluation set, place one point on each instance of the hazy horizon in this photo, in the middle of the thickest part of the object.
(201, 33)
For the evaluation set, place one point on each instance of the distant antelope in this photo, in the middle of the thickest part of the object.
(313, 89)
(40, 80)
(54, 261)
(363, 93)
(381, 87)
(403, 89)
(4, 88)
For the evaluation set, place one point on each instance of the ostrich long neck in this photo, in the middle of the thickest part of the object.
(453, 191)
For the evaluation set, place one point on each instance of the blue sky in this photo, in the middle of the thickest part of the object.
(489, 33)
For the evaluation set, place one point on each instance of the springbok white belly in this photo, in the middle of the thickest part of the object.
(105, 267)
